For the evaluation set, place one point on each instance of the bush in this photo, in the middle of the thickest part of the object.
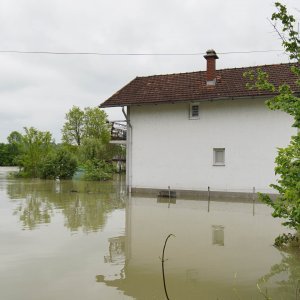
(98, 170)
(59, 164)
(285, 240)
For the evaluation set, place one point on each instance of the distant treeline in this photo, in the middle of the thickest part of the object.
(85, 145)
(7, 155)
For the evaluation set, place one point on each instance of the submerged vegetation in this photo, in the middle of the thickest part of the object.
(85, 145)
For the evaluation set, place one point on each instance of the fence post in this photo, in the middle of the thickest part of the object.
(208, 196)
(253, 200)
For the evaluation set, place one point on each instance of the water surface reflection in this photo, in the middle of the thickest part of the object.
(220, 254)
(54, 235)
(77, 240)
(84, 205)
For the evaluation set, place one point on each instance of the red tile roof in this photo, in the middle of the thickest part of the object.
(185, 87)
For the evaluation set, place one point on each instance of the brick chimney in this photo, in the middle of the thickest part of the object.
(211, 57)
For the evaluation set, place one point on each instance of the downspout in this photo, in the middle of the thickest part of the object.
(126, 117)
(128, 151)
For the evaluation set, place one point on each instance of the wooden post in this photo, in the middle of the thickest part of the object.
(208, 196)
(253, 200)
(169, 197)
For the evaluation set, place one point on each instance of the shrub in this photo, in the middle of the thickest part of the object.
(98, 170)
(59, 164)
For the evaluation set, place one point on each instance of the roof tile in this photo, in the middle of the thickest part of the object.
(185, 87)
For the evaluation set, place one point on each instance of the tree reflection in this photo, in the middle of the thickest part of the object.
(35, 212)
(84, 204)
(285, 275)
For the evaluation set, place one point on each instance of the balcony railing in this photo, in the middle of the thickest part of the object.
(118, 131)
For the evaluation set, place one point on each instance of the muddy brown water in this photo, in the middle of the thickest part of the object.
(79, 240)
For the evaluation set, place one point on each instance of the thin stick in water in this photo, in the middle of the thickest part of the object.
(163, 265)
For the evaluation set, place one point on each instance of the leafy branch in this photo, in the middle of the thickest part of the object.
(287, 205)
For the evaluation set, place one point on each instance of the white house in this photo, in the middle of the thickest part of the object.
(199, 129)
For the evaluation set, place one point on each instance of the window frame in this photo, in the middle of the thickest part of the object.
(191, 117)
(215, 150)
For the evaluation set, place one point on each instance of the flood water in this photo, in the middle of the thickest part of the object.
(74, 240)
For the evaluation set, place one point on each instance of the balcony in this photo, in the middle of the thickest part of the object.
(118, 132)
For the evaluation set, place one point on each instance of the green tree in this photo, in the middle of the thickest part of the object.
(92, 148)
(5, 157)
(96, 125)
(73, 129)
(98, 170)
(287, 204)
(15, 146)
(36, 146)
(60, 163)
(87, 134)
(15, 138)
(87, 123)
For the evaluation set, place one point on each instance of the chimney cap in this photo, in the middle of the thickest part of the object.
(211, 53)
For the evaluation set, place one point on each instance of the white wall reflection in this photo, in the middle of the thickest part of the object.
(194, 264)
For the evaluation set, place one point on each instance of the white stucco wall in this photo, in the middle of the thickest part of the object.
(169, 149)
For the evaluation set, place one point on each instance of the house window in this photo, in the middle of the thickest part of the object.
(219, 156)
(194, 111)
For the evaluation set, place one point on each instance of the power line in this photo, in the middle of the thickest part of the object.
(133, 54)
(246, 52)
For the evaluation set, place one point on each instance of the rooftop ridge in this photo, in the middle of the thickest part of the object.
(225, 69)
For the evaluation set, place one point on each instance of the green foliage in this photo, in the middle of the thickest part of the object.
(95, 125)
(86, 136)
(98, 170)
(87, 123)
(288, 239)
(287, 205)
(89, 132)
(259, 80)
(15, 138)
(74, 126)
(93, 148)
(36, 145)
(59, 164)
(15, 146)
(5, 156)
(9, 152)
(289, 36)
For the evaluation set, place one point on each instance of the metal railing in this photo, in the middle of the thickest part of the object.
(118, 131)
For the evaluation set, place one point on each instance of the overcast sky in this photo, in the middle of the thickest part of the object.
(37, 89)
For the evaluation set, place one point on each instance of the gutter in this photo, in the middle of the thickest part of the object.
(194, 100)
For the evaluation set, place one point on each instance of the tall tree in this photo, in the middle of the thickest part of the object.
(287, 205)
(90, 141)
(87, 123)
(15, 146)
(73, 129)
(96, 125)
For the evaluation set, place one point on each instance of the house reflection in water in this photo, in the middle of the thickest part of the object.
(116, 250)
(195, 267)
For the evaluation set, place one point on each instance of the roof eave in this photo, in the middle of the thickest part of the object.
(103, 105)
